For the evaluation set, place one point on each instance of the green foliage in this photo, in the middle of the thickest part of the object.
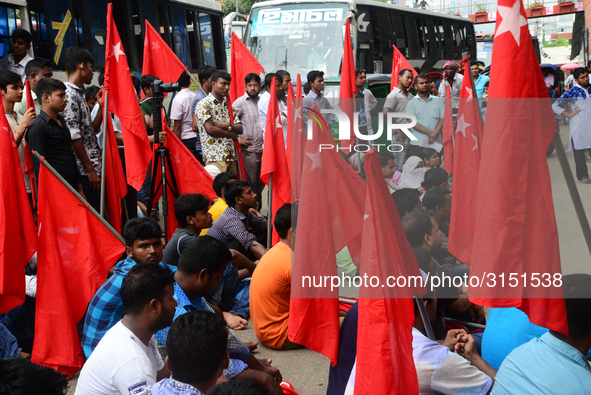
(244, 6)
(559, 42)
(480, 7)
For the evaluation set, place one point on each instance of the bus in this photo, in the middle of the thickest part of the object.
(301, 35)
(192, 28)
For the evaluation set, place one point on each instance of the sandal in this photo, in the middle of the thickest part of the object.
(585, 180)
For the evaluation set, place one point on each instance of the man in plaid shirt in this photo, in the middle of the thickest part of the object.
(143, 237)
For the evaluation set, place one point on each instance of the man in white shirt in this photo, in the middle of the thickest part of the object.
(35, 70)
(180, 113)
(17, 60)
(264, 103)
(454, 81)
(126, 360)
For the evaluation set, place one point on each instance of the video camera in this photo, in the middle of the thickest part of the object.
(158, 90)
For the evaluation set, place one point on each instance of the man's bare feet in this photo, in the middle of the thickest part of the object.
(265, 361)
(233, 321)
(252, 345)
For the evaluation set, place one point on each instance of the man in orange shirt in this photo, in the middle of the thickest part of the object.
(270, 286)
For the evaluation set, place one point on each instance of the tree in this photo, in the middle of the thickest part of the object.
(244, 6)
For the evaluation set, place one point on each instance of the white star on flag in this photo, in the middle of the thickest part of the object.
(117, 51)
(365, 216)
(462, 125)
(511, 21)
(155, 45)
(176, 158)
(475, 143)
(316, 160)
(297, 114)
(470, 95)
(278, 122)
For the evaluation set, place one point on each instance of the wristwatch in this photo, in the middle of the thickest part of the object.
(229, 128)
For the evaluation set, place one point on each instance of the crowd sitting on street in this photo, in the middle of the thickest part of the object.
(168, 317)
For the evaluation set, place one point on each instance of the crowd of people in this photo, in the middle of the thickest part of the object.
(163, 322)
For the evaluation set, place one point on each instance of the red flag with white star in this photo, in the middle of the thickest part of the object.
(466, 164)
(296, 139)
(515, 231)
(399, 63)
(348, 87)
(274, 160)
(123, 103)
(159, 59)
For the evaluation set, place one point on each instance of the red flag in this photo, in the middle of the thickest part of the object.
(515, 229)
(465, 173)
(17, 228)
(76, 252)
(28, 159)
(274, 160)
(448, 133)
(348, 88)
(159, 59)
(385, 363)
(116, 187)
(399, 63)
(296, 139)
(243, 63)
(330, 217)
(189, 174)
(123, 103)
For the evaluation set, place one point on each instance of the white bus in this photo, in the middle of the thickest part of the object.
(301, 35)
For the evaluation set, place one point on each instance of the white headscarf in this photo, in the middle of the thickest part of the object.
(412, 177)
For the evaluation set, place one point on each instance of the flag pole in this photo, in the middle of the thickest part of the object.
(82, 200)
(425, 317)
(572, 188)
(270, 216)
(104, 156)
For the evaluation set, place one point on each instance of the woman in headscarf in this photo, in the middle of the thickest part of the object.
(412, 174)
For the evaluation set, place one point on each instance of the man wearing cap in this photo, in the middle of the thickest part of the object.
(454, 81)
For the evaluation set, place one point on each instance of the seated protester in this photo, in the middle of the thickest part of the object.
(196, 354)
(441, 370)
(126, 360)
(431, 159)
(219, 205)
(506, 329)
(270, 286)
(423, 232)
(201, 267)
(9, 347)
(143, 238)
(436, 177)
(20, 376)
(232, 227)
(412, 173)
(554, 363)
(387, 164)
(407, 200)
(240, 387)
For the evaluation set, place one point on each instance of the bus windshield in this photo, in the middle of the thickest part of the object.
(298, 37)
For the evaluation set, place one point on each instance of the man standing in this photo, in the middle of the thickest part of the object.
(127, 361)
(143, 238)
(79, 63)
(251, 141)
(479, 79)
(36, 70)
(216, 132)
(17, 60)
(316, 81)
(264, 103)
(204, 74)
(428, 110)
(454, 81)
(580, 114)
(180, 113)
(146, 107)
(367, 102)
(396, 101)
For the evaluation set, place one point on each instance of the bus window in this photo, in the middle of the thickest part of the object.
(97, 16)
(432, 43)
(412, 35)
(4, 29)
(382, 30)
(399, 33)
(192, 35)
(458, 41)
(206, 39)
(448, 45)
(180, 44)
(422, 35)
(40, 34)
(218, 37)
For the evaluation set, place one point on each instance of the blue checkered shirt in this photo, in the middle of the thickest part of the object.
(238, 351)
(106, 307)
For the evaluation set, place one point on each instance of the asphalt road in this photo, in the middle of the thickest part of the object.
(308, 371)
